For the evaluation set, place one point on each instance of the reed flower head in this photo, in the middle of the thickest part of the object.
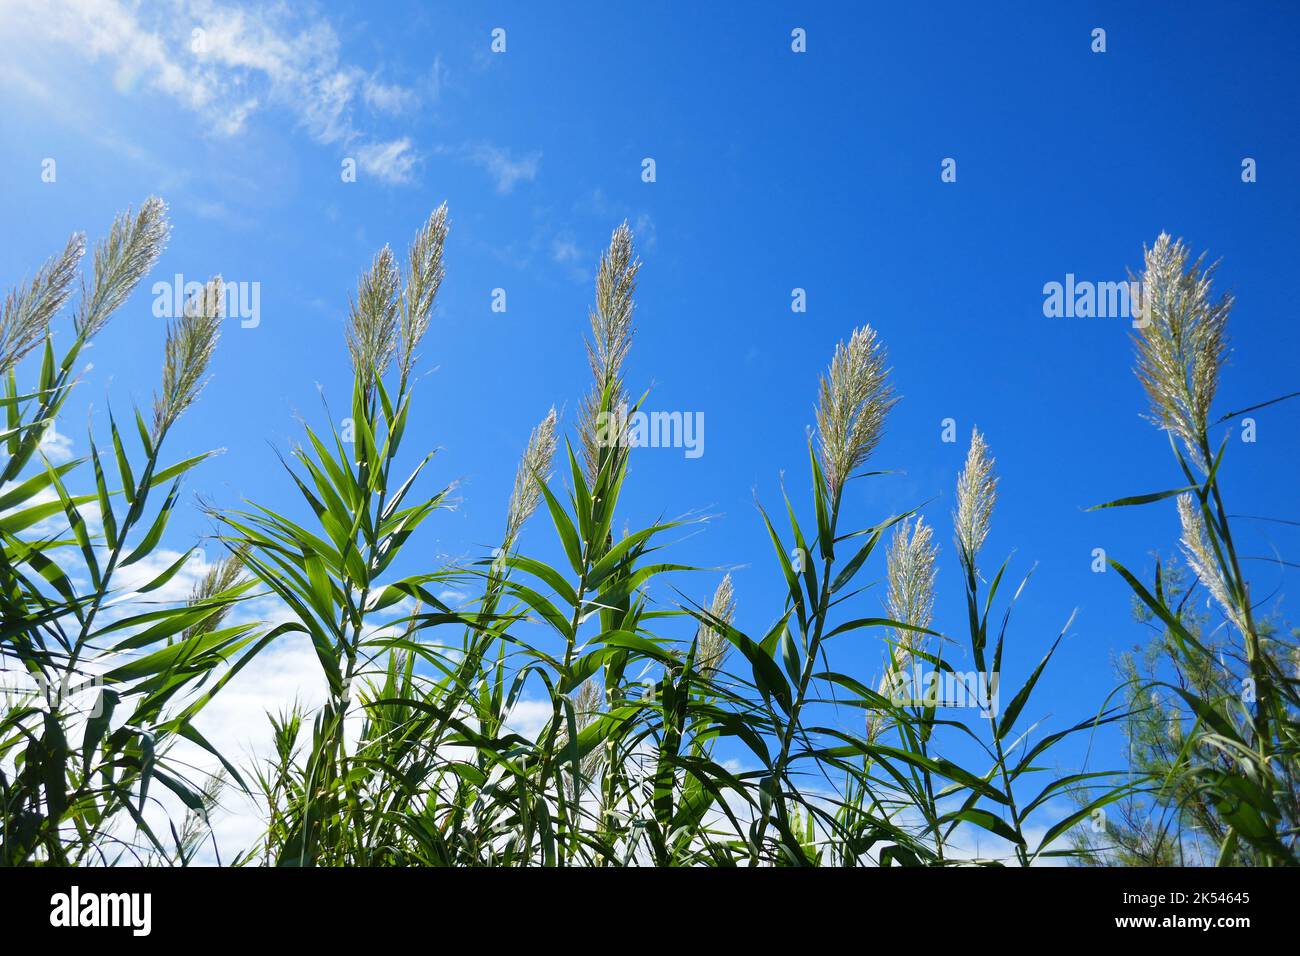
(855, 398)
(587, 703)
(713, 645)
(977, 492)
(1175, 728)
(133, 245)
(911, 571)
(895, 663)
(910, 600)
(1199, 551)
(372, 331)
(534, 466)
(191, 341)
(1183, 345)
(27, 312)
(611, 319)
(220, 577)
(611, 340)
(424, 276)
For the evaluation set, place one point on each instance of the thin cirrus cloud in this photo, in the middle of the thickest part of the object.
(502, 166)
(390, 98)
(392, 162)
(505, 168)
(227, 63)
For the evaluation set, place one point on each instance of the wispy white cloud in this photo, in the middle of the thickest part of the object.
(227, 63)
(388, 98)
(504, 167)
(393, 162)
(210, 209)
(451, 596)
(437, 78)
(564, 249)
(529, 716)
(647, 237)
(56, 446)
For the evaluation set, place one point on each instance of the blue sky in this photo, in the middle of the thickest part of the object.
(775, 170)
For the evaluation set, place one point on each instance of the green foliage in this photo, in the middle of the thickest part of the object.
(99, 691)
(419, 756)
(1219, 735)
(639, 695)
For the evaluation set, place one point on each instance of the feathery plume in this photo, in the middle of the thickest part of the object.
(895, 664)
(612, 332)
(910, 600)
(1175, 728)
(1183, 345)
(133, 245)
(28, 311)
(712, 643)
(198, 819)
(1199, 552)
(534, 466)
(373, 319)
(855, 398)
(910, 564)
(586, 708)
(190, 343)
(977, 492)
(424, 276)
(587, 702)
(220, 577)
(611, 319)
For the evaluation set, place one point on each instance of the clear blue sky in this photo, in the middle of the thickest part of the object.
(774, 170)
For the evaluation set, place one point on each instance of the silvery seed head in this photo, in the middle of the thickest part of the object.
(855, 398)
(611, 319)
(976, 495)
(424, 276)
(28, 311)
(587, 704)
(1199, 551)
(534, 466)
(611, 340)
(1182, 347)
(220, 576)
(911, 571)
(133, 245)
(372, 331)
(191, 340)
(713, 645)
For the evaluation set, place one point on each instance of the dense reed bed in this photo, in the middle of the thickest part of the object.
(414, 759)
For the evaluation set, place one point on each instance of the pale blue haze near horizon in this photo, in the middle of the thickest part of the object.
(774, 171)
